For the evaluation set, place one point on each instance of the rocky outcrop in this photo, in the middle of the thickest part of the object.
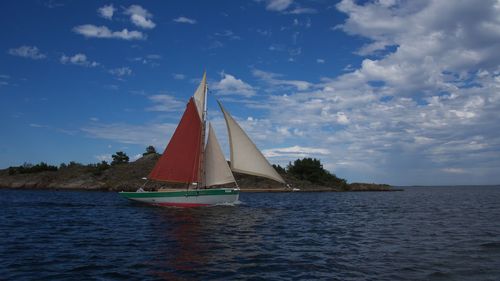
(128, 177)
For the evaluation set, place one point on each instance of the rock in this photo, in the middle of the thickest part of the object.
(128, 177)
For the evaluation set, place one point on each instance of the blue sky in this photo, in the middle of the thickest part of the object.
(400, 92)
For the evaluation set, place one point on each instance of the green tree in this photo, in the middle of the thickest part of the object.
(99, 168)
(311, 169)
(149, 150)
(119, 158)
(279, 169)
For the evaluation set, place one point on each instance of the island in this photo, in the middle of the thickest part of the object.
(304, 175)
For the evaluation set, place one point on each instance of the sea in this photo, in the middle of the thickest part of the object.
(421, 233)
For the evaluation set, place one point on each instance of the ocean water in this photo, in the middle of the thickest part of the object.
(422, 233)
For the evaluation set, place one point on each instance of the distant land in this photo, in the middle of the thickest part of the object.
(128, 177)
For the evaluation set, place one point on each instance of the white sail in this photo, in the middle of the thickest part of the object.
(200, 96)
(216, 169)
(245, 156)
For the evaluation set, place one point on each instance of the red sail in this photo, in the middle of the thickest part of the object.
(180, 161)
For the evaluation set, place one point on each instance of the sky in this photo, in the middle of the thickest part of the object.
(386, 91)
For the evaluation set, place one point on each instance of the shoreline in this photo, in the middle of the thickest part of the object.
(242, 190)
(271, 190)
(129, 177)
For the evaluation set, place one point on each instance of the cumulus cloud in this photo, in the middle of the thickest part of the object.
(230, 85)
(106, 11)
(92, 31)
(183, 19)
(140, 17)
(30, 52)
(421, 109)
(78, 59)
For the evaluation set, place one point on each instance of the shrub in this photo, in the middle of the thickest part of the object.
(149, 150)
(28, 168)
(119, 158)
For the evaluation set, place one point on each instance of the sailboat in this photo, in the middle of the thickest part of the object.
(200, 164)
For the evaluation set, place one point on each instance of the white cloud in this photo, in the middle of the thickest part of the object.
(423, 110)
(140, 17)
(3, 79)
(342, 118)
(35, 125)
(78, 59)
(104, 157)
(156, 134)
(92, 31)
(51, 4)
(165, 103)
(154, 57)
(295, 152)
(31, 52)
(320, 60)
(135, 157)
(121, 71)
(151, 59)
(454, 170)
(228, 34)
(277, 5)
(182, 19)
(230, 85)
(286, 7)
(179, 76)
(273, 79)
(106, 11)
(300, 10)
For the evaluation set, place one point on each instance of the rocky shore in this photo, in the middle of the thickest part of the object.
(128, 177)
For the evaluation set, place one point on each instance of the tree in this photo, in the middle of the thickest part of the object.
(99, 168)
(119, 158)
(149, 150)
(279, 169)
(312, 170)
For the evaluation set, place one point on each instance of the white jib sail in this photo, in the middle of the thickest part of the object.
(245, 156)
(200, 95)
(216, 169)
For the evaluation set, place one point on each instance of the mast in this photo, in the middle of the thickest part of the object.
(201, 97)
(204, 125)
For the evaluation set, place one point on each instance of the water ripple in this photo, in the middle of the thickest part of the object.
(445, 233)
